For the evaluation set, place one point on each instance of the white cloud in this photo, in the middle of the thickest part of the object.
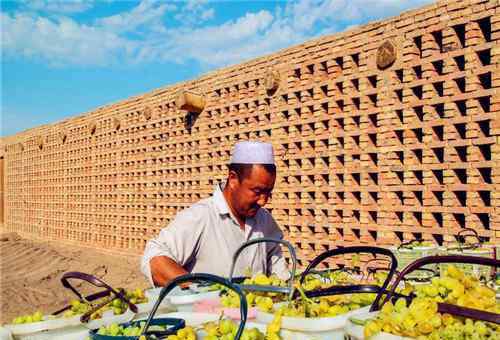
(207, 14)
(143, 33)
(148, 12)
(59, 6)
(195, 13)
(60, 41)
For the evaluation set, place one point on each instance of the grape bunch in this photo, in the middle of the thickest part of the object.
(131, 330)
(262, 300)
(328, 306)
(225, 329)
(35, 317)
(327, 279)
(421, 319)
(117, 305)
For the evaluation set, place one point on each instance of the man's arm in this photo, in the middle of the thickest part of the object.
(164, 270)
(166, 256)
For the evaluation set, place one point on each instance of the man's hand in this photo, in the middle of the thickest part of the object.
(164, 270)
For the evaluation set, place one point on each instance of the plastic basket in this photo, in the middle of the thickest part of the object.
(481, 272)
(475, 248)
(407, 253)
(171, 325)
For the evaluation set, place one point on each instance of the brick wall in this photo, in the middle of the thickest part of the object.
(365, 155)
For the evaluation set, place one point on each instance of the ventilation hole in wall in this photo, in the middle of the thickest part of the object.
(461, 197)
(340, 62)
(485, 197)
(400, 155)
(400, 176)
(485, 80)
(461, 129)
(373, 119)
(439, 153)
(356, 102)
(438, 132)
(418, 44)
(461, 107)
(399, 235)
(439, 109)
(484, 102)
(418, 154)
(485, 26)
(460, 82)
(419, 112)
(355, 83)
(485, 151)
(484, 57)
(460, 32)
(439, 195)
(419, 176)
(418, 71)
(461, 175)
(460, 219)
(419, 196)
(400, 215)
(399, 75)
(438, 38)
(484, 218)
(417, 215)
(400, 135)
(485, 175)
(438, 87)
(399, 94)
(374, 157)
(460, 62)
(373, 81)
(438, 237)
(484, 127)
(461, 153)
(417, 91)
(438, 67)
(355, 58)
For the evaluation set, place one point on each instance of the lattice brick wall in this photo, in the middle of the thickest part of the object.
(365, 155)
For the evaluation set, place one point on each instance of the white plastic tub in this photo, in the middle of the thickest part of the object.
(354, 331)
(182, 300)
(65, 328)
(327, 328)
(197, 319)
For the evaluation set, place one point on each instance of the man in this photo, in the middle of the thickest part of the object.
(204, 237)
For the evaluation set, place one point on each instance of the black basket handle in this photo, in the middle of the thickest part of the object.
(97, 283)
(446, 307)
(410, 242)
(353, 250)
(201, 277)
(262, 288)
(462, 244)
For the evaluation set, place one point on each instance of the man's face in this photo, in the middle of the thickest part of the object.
(251, 192)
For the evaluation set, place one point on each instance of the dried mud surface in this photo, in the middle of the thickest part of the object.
(31, 270)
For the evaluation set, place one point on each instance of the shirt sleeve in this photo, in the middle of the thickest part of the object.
(179, 241)
(276, 263)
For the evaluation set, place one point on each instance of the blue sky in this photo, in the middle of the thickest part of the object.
(64, 58)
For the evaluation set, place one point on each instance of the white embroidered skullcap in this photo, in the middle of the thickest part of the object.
(252, 152)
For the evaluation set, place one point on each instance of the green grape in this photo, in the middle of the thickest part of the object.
(30, 318)
(421, 319)
(261, 300)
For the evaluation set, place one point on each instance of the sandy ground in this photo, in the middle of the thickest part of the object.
(30, 273)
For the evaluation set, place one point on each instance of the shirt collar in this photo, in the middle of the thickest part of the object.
(220, 200)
